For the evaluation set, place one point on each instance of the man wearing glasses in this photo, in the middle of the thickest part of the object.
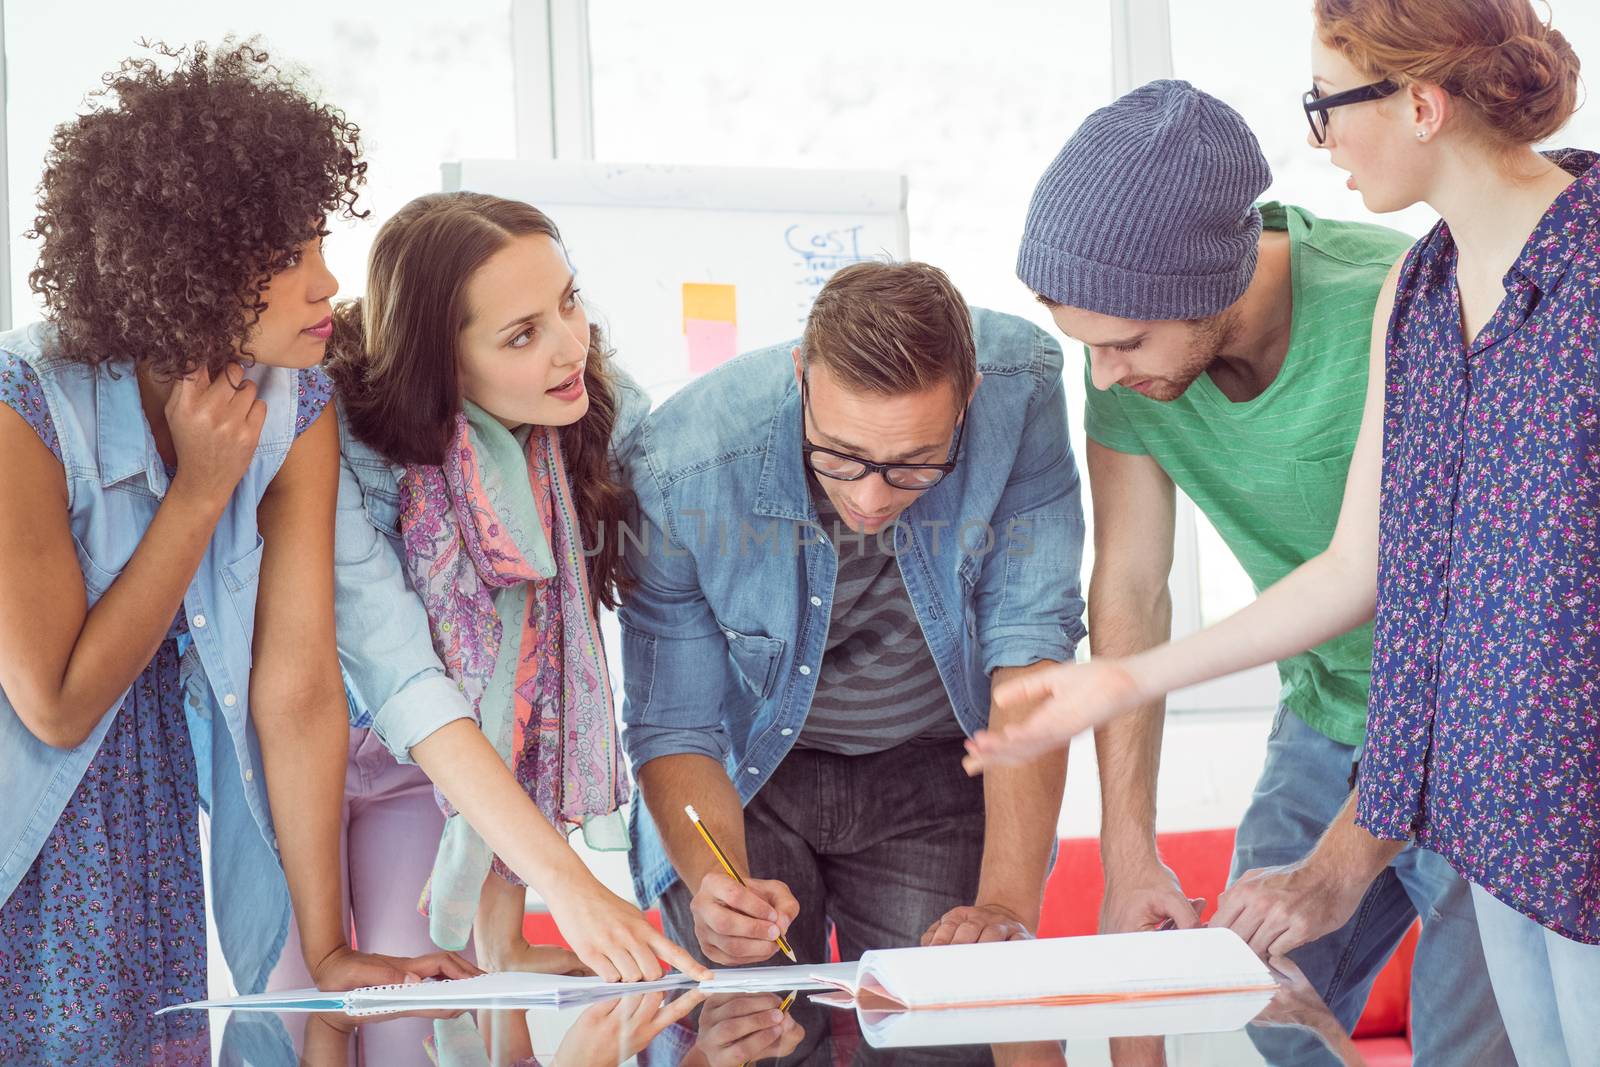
(841, 545)
(1227, 346)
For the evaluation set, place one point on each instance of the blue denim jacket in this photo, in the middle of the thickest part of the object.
(396, 684)
(723, 636)
(115, 483)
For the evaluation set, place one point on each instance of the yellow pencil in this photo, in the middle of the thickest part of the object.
(788, 1002)
(722, 858)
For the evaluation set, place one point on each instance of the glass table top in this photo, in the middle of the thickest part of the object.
(694, 1029)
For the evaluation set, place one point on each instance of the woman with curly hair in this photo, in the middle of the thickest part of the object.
(166, 543)
(480, 510)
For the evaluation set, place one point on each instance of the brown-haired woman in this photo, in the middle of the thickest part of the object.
(1469, 522)
(477, 535)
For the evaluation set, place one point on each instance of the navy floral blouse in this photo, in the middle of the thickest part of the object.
(1483, 734)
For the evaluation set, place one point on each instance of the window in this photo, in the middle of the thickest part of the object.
(1266, 90)
(970, 103)
(426, 83)
(1580, 23)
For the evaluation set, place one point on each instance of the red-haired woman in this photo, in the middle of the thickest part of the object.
(1471, 519)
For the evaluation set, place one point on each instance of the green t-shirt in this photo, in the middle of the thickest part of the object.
(1269, 472)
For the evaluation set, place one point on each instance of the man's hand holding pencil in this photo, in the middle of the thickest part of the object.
(740, 920)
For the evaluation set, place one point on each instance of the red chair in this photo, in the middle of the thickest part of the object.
(1200, 860)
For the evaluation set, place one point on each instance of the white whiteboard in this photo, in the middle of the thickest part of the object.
(637, 234)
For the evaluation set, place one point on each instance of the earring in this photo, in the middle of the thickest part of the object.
(1421, 134)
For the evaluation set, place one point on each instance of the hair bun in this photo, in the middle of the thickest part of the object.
(1512, 71)
(1526, 88)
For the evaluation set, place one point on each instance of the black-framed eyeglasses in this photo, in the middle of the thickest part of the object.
(1317, 106)
(843, 467)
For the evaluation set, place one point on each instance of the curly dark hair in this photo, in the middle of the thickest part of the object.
(168, 205)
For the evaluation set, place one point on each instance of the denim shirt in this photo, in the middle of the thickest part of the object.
(724, 635)
(394, 679)
(115, 483)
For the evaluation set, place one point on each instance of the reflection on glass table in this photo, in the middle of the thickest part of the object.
(693, 1029)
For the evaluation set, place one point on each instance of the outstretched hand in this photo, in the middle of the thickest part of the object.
(1067, 700)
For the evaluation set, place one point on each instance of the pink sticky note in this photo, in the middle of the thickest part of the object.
(711, 344)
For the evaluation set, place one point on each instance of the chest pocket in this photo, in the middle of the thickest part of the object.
(96, 579)
(756, 659)
(242, 578)
(383, 510)
(1319, 483)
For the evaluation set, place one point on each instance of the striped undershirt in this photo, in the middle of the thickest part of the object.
(878, 686)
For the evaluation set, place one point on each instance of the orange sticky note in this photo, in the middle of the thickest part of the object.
(707, 302)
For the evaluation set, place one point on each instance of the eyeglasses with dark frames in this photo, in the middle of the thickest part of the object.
(843, 467)
(1317, 106)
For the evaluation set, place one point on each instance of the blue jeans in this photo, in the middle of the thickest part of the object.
(1454, 1018)
(1545, 984)
(875, 848)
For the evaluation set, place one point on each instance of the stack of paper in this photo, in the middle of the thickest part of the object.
(1214, 1014)
(781, 979)
(1055, 972)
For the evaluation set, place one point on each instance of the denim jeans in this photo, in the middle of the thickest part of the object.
(1455, 1021)
(1545, 984)
(875, 848)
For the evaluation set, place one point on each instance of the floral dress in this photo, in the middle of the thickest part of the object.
(109, 924)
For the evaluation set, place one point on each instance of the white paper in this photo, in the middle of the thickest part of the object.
(520, 989)
(780, 979)
(283, 1000)
(1160, 961)
(976, 1026)
(523, 987)
(1165, 961)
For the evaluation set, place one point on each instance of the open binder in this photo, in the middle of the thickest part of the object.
(1195, 1014)
(1055, 972)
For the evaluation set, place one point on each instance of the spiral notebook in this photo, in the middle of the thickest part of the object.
(506, 989)
(513, 989)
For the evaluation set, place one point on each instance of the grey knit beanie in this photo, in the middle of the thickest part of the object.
(1149, 211)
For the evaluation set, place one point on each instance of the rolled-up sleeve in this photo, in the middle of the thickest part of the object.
(398, 686)
(674, 655)
(1029, 603)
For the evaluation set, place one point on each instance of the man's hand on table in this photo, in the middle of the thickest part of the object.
(979, 922)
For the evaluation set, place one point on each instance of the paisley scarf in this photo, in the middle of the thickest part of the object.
(493, 546)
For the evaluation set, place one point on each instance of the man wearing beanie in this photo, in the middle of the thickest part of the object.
(1227, 348)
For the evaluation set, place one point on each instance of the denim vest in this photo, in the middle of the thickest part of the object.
(115, 483)
(724, 635)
